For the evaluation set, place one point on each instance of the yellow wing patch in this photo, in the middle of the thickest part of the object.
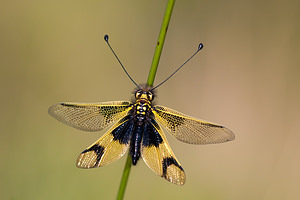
(106, 150)
(90, 117)
(159, 157)
(190, 130)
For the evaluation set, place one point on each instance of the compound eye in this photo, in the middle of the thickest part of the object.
(138, 94)
(150, 96)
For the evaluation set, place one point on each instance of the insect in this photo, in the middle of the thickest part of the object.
(136, 127)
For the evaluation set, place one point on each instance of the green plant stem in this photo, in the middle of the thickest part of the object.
(124, 179)
(151, 77)
(160, 42)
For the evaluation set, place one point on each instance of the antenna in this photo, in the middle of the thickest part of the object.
(106, 39)
(199, 48)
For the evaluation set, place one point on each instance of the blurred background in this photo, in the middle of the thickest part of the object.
(246, 78)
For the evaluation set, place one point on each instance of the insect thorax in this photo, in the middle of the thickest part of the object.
(142, 108)
(143, 99)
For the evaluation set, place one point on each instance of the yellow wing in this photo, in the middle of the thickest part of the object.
(90, 117)
(189, 130)
(110, 147)
(158, 155)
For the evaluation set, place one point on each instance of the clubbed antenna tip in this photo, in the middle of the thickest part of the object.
(199, 47)
(106, 38)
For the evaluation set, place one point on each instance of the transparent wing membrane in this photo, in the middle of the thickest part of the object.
(190, 130)
(90, 117)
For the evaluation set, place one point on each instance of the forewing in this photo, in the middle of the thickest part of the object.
(110, 147)
(190, 130)
(158, 155)
(90, 117)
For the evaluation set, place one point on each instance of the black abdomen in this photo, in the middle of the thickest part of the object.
(135, 144)
(140, 114)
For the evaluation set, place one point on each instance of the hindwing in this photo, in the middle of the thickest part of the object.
(190, 130)
(110, 147)
(158, 155)
(90, 117)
